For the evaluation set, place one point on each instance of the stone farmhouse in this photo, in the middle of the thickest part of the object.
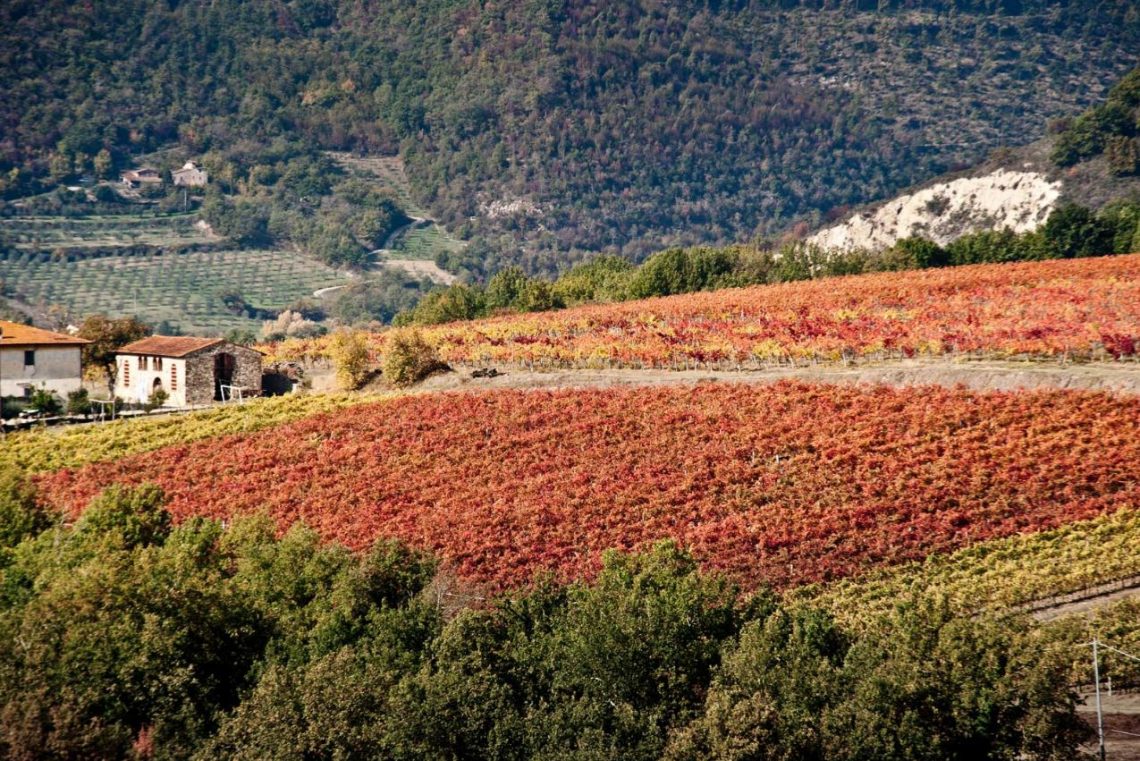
(32, 359)
(192, 371)
(190, 176)
(136, 178)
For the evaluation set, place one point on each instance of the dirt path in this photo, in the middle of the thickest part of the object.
(1123, 377)
(419, 268)
(321, 292)
(1083, 601)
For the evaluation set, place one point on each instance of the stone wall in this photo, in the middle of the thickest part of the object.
(200, 371)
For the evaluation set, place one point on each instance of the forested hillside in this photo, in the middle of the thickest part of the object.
(547, 129)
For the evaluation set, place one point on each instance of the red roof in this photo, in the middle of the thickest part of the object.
(15, 334)
(169, 346)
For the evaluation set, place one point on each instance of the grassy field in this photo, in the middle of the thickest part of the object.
(422, 243)
(47, 234)
(182, 288)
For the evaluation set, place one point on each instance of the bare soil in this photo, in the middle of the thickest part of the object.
(418, 268)
(1121, 725)
(1118, 377)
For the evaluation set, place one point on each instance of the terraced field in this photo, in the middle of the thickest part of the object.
(48, 234)
(389, 171)
(417, 242)
(183, 288)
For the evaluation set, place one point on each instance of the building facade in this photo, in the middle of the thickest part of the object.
(136, 178)
(32, 359)
(190, 176)
(192, 371)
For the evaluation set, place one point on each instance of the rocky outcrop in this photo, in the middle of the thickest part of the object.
(1018, 200)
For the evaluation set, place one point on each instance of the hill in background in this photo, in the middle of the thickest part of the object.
(544, 131)
(1091, 161)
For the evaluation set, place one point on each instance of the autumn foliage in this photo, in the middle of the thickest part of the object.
(780, 484)
(1074, 309)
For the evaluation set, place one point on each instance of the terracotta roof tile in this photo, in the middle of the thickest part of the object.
(15, 334)
(169, 346)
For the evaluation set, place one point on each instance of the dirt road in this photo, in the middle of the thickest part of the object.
(1119, 377)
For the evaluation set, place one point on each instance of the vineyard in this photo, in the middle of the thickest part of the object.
(422, 242)
(184, 288)
(50, 234)
(786, 484)
(48, 449)
(997, 575)
(1060, 309)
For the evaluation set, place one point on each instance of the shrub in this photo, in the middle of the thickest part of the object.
(45, 401)
(349, 352)
(79, 403)
(156, 399)
(919, 253)
(409, 358)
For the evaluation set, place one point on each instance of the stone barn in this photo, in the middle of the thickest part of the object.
(192, 371)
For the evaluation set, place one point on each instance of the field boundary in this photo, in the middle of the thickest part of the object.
(1089, 598)
(993, 375)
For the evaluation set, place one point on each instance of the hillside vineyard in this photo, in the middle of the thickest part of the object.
(779, 485)
(1060, 309)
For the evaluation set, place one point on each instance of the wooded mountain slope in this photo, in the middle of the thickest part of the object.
(574, 125)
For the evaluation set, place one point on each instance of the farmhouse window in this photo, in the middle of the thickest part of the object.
(174, 377)
(144, 363)
(158, 363)
(30, 358)
(126, 372)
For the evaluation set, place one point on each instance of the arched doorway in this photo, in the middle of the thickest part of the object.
(224, 365)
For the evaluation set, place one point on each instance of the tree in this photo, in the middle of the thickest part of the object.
(605, 278)
(20, 514)
(456, 302)
(1073, 231)
(107, 336)
(920, 253)
(503, 290)
(920, 683)
(102, 163)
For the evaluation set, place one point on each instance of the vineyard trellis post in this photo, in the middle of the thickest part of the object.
(3, 429)
(1097, 645)
(1099, 713)
(103, 405)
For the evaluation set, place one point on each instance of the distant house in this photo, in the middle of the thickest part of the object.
(136, 178)
(190, 176)
(192, 371)
(32, 359)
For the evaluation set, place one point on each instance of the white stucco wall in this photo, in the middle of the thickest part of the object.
(57, 369)
(139, 383)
